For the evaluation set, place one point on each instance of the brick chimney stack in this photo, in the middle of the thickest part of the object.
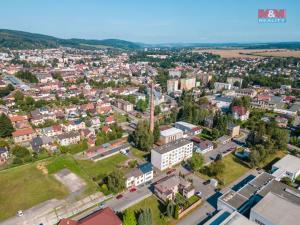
(152, 108)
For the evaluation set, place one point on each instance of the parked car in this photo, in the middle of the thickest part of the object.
(199, 194)
(171, 171)
(132, 190)
(101, 205)
(119, 196)
(20, 213)
(206, 182)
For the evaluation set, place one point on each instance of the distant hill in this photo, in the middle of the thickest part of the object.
(24, 40)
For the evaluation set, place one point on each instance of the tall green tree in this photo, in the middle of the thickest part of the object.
(6, 127)
(156, 132)
(129, 217)
(142, 137)
(196, 162)
(116, 181)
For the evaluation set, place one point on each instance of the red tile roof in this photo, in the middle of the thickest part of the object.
(102, 217)
(240, 110)
(21, 132)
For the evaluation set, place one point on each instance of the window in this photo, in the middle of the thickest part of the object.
(259, 222)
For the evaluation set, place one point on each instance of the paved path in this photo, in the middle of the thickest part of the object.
(51, 211)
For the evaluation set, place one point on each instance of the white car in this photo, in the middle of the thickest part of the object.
(199, 194)
(20, 213)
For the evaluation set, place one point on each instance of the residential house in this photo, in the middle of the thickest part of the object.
(23, 135)
(240, 113)
(140, 175)
(202, 146)
(281, 121)
(110, 120)
(124, 105)
(167, 188)
(4, 155)
(224, 139)
(65, 139)
(74, 125)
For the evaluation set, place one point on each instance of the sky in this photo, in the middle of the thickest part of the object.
(153, 21)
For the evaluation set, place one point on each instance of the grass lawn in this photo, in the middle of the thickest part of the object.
(140, 154)
(234, 169)
(267, 165)
(26, 186)
(156, 208)
(102, 167)
(120, 118)
(68, 162)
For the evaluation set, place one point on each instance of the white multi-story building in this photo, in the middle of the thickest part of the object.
(139, 176)
(168, 155)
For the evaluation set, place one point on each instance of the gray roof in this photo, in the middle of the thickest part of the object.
(234, 199)
(68, 135)
(278, 210)
(134, 173)
(171, 146)
(283, 190)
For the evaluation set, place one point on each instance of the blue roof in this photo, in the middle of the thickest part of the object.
(146, 168)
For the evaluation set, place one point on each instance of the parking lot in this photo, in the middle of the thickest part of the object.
(224, 149)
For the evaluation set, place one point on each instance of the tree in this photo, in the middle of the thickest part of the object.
(141, 105)
(145, 217)
(116, 181)
(287, 181)
(22, 154)
(6, 127)
(142, 137)
(157, 110)
(129, 217)
(176, 213)
(18, 96)
(170, 209)
(196, 162)
(217, 168)
(156, 132)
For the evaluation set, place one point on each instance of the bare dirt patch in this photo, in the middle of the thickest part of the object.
(251, 53)
(70, 180)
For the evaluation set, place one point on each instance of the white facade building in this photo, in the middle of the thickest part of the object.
(139, 176)
(288, 166)
(166, 156)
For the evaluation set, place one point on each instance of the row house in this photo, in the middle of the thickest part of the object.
(23, 135)
(69, 138)
(75, 125)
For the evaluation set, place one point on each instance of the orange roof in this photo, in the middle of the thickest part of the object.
(17, 118)
(22, 132)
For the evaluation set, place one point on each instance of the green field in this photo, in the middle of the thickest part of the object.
(26, 186)
(140, 154)
(120, 118)
(156, 208)
(102, 167)
(234, 168)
